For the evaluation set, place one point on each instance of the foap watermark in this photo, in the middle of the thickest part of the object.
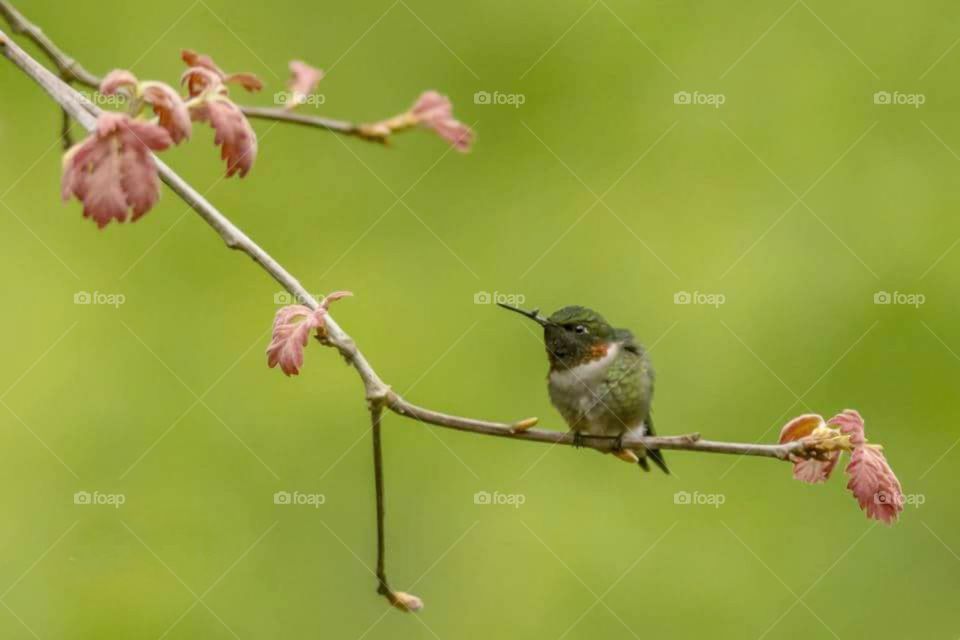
(515, 500)
(715, 100)
(497, 98)
(914, 100)
(714, 500)
(285, 98)
(115, 500)
(99, 297)
(108, 99)
(900, 298)
(698, 297)
(486, 297)
(285, 298)
(297, 498)
(915, 500)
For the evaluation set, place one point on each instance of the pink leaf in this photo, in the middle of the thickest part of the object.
(117, 79)
(303, 80)
(200, 79)
(434, 111)
(170, 109)
(237, 140)
(111, 171)
(806, 470)
(248, 81)
(292, 327)
(814, 471)
(800, 427)
(874, 484)
(851, 424)
(194, 59)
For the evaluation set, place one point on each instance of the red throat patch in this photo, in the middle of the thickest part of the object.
(598, 351)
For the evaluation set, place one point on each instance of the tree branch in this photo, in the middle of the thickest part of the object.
(376, 389)
(72, 72)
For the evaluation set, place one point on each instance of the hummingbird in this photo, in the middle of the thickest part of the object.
(600, 379)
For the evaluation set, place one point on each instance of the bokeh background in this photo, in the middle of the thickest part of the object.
(797, 200)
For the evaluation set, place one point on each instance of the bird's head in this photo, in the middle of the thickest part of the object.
(573, 335)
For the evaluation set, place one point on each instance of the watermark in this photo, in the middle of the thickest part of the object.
(108, 100)
(898, 297)
(285, 298)
(115, 500)
(514, 500)
(510, 99)
(698, 297)
(299, 499)
(915, 500)
(98, 297)
(284, 98)
(715, 100)
(714, 500)
(486, 297)
(906, 99)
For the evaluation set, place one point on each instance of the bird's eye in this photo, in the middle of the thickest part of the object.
(581, 329)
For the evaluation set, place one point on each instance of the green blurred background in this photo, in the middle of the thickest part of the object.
(167, 399)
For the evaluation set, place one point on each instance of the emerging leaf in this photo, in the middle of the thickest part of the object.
(112, 171)
(200, 79)
(116, 80)
(248, 81)
(233, 133)
(171, 111)
(434, 111)
(814, 471)
(874, 484)
(292, 327)
(303, 80)
(800, 427)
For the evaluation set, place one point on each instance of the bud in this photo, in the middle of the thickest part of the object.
(405, 601)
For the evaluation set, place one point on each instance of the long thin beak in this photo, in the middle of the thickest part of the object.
(533, 315)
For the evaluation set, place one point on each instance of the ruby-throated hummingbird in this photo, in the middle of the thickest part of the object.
(600, 380)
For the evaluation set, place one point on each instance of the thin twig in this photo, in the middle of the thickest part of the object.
(318, 122)
(71, 71)
(376, 389)
(68, 68)
(376, 415)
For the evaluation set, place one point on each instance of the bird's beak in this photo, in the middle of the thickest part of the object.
(533, 315)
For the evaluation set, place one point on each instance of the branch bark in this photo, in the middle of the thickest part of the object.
(377, 391)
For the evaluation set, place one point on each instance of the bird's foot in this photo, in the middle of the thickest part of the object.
(577, 440)
(624, 454)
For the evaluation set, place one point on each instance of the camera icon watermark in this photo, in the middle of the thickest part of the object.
(115, 500)
(514, 100)
(296, 498)
(715, 500)
(697, 297)
(487, 297)
(914, 300)
(915, 500)
(915, 100)
(515, 500)
(99, 298)
(698, 98)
